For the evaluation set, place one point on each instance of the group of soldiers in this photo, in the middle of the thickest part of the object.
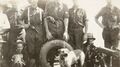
(33, 26)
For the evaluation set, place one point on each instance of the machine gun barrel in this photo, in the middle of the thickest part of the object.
(110, 52)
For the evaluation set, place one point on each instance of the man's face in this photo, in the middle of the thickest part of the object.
(59, 1)
(76, 3)
(33, 2)
(109, 2)
(19, 47)
(91, 41)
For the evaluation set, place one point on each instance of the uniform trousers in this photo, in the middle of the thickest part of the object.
(111, 40)
(76, 37)
(34, 40)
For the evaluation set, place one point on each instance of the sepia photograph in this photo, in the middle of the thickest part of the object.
(59, 33)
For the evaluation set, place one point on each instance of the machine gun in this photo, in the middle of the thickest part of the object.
(114, 56)
(114, 53)
(97, 56)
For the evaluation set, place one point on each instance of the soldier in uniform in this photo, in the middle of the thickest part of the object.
(4, 28)
(17, 30)
(18, 56)
(4, 23)
(56, 20)
(32, 17)
(89, 50)
(93, 58)
(111, 26)
(77, 22)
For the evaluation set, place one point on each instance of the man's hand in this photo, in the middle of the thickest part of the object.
(116, 27)
(26, 26)
(32, 27)
(49, 35)
(65, 36)
(85, 37)
(101, 25)
(51, 19)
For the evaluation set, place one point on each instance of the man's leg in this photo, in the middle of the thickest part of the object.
(115, 38)
(107, 43)
(39, 41)
(115, 44)
(30, 45)
(22, 35)
(72, 38)
(78, 38)
(37, 54)
(107, 58)
(115, 61)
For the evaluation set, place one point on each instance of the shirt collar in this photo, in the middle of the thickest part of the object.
(111, 7)
(35, 8)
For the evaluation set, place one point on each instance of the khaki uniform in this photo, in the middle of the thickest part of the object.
(17, 30)
(34, 32)
(110, 18)
(58, 12)
(4, 27)
(77, 19)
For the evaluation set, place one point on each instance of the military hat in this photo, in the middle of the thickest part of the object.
(90, 36)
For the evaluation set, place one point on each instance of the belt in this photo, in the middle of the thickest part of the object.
(74, 26)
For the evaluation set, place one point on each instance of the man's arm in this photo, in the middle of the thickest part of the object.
(48, 33)
(46, 17)
(97, 17)
(66, 22)
(25, 17)
(85, 20)
(66, 18)
(41, 13)
(86, 27)
(6, 26)
(118, 19)
(46, 25)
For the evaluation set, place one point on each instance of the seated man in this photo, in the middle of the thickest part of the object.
(17, 58)
(17, 30)
(93, 57)
(4, 28)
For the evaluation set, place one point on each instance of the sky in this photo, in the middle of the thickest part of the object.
(92, 7)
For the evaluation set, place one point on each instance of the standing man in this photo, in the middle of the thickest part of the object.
(111, 26)
(4, 28)
(56, 20)
(32, 17)
(77, 22)
(17, 30)
(4, 23)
